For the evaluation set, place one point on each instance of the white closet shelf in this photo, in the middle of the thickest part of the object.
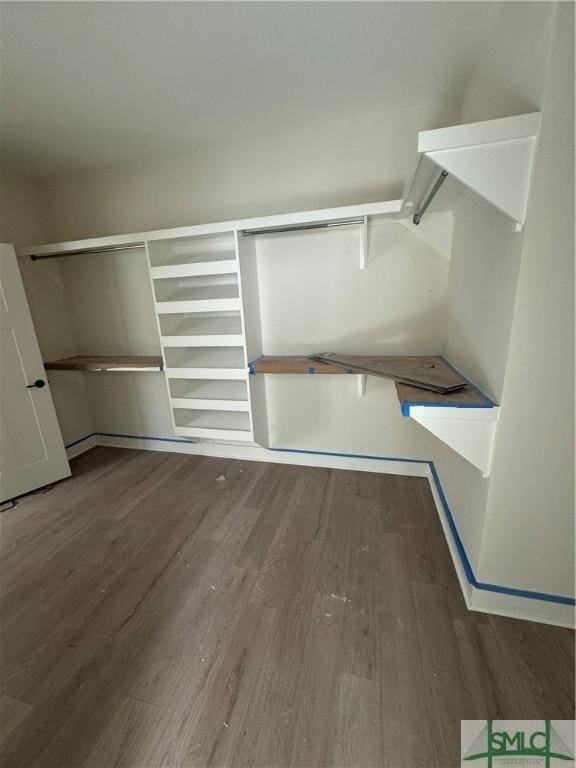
(198, 305)
(203, 404)
(386, 209)
(492, 158)
(206, 373)
(222, 267)
(236, 435)
(212, 340)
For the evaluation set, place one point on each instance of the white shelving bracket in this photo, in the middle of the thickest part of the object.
(364, 243)
(492, 158)
(471, 432)
(361, 385)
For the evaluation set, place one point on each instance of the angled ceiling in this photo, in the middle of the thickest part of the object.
(86, 85)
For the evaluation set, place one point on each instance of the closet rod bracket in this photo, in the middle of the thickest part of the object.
(417, 218)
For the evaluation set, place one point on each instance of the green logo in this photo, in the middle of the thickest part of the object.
(545, 744)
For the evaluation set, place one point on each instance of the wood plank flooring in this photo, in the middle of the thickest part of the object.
(180, 611)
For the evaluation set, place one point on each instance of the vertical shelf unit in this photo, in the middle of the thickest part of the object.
(197, 294)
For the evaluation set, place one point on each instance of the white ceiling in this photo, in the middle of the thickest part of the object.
(92, 84)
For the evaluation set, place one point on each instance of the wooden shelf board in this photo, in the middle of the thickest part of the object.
(106, 363)
(468, 397)
(292, 364)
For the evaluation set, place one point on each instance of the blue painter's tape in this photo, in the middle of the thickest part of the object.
(348, 455)
(349, 370)
(80, 440)
(466, 565)
(145, 437)
(407, 404)
(311, 370)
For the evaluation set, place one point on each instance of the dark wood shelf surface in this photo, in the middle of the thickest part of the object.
(466, 397)
(106, 363)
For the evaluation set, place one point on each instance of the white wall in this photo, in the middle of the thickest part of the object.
(314, 298)
(509, 77)
(529, 532)
(486, 252)
(19, 209)
(361, 159)
(510, 321)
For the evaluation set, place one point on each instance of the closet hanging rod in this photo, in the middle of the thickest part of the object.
(81, 251)
(297, 227)
(432, 194)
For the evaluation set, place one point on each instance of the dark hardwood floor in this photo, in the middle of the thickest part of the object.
(170, 610)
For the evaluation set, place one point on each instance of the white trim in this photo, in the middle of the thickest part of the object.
(257, 453)
(524, 608)
(82, 446)
(465, 585)
(486, 601)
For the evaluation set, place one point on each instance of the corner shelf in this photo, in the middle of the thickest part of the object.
(492, 158)
(465, 420)
(107, 363)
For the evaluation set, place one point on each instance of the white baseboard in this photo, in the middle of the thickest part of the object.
(485, 600)
(525, 608)
(276, 456)
(465, 585)
(82, 446)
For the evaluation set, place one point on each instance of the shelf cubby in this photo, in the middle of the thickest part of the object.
(204, 357)
(219, 247)
(213, 424)
(204, 288)
(199, 389)
(202, 330)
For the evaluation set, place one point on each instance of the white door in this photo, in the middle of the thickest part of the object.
(32, 451)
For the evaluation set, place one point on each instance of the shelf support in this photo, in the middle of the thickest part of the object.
(364, 243)
(361, 385)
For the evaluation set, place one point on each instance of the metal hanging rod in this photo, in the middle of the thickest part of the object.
(297, 227)
(81, 251)
(431, 195)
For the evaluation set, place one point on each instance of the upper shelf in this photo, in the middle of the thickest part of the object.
(107, 363)
(388, 209)
(492, 158)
